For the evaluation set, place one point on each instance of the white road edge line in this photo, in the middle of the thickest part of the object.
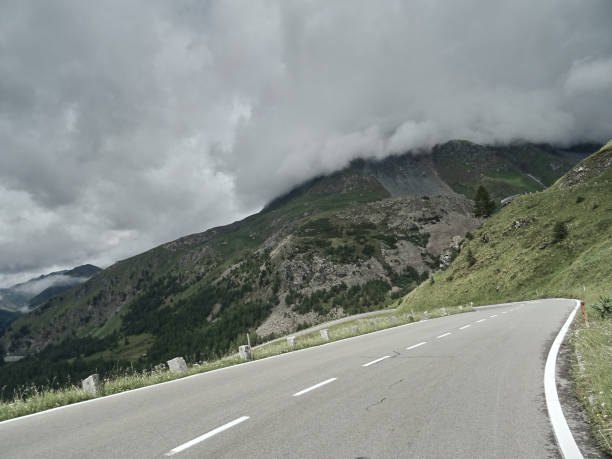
(481, 320)
(563, 434)
(416, 345)
(375, 361)
(464, 327)
(206, 436)
(443, 335)
(316, 386)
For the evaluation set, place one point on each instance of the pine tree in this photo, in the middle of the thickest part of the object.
(483, 204)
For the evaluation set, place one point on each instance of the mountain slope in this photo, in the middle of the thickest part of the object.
(514, 255)
(344, 243)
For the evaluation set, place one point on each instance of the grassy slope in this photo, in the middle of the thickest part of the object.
(523, 262)
(591, 357)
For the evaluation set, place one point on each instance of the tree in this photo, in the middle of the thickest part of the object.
(559, 232)
(471, 259)
(483, 204)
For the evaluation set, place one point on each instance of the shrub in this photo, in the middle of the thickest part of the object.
(559, 232)
(471, 259)
(579, 199)
(604, 307)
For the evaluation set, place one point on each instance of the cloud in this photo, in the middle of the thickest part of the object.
(590, 75)
(125, 124)
(34, 287)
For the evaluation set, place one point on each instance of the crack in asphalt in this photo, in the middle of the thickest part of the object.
(374, 404)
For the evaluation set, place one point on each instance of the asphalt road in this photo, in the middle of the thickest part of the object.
(474, 388)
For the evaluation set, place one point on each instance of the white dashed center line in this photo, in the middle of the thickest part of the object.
(494, 315)
(481, 320)
(505, 312)
(206, 436)
(375, 361)
(416, 345)
(443, 335)
(464, 327)
(316, 386)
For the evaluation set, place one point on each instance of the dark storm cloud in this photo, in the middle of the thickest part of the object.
(124, 124)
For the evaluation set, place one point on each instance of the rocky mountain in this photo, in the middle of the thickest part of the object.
(344, 243)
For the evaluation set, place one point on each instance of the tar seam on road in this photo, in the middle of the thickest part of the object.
(206, 436)
(565, 439)
(375, 361)
(316, 386)
(443, 335)
(416, 345)
(464, 327)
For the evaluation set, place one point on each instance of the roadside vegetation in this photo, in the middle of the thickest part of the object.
(32, 399)
(592, 368)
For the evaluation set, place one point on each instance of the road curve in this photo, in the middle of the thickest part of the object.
(468, 385)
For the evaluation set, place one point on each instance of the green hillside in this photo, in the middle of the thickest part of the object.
(514, 255)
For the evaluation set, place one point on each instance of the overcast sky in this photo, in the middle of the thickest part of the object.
(125, 124)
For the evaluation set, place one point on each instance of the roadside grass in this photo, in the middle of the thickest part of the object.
(31, 399)
(347, 329)
(592, 372)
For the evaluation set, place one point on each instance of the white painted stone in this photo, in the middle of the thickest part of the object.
(355, 330)
(245, 352)
(325, 334)
(291, 341)
(93, 385)
(177, 365)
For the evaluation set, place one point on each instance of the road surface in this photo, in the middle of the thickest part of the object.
(467, 385)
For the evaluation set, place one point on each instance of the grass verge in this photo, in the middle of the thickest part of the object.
(592, 372)
(32, 400)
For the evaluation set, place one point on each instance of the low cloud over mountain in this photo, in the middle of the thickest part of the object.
(127, 124)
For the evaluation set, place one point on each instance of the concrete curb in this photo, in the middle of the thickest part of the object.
(567, 445)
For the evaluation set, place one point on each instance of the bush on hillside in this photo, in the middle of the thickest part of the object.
(471, 259)
(559, 232)
(604, 307)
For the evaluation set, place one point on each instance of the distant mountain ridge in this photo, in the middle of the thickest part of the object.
(347, 242)
(25, 296)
